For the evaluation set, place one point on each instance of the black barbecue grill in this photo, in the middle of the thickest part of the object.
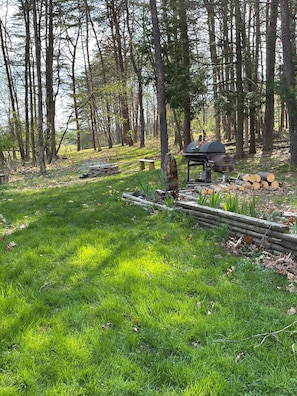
(211, 155)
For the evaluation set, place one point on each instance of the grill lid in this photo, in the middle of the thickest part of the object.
(206, 148)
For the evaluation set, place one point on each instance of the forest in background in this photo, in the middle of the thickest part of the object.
(95, 73)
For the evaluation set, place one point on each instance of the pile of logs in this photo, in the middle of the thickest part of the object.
(103, 170)
(259, 180)
(244, 182)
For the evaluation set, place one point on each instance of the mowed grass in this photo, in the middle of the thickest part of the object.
(102, 297)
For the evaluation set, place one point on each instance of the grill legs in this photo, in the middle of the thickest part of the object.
(205, 175)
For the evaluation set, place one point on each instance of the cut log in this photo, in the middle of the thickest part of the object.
(237, 182)
(289, 214)
(219, 188)
(242, 219)
(264, 184)
(269, 177)
(256, 178)
(144, 202)
(274, 185)
(247, 185)
(245, 177)
(250, 177)
(256, 185)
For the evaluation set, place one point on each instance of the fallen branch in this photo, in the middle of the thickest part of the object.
(274, 333)
(264, 335)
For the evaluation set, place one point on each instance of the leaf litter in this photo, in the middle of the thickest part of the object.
(285, 264)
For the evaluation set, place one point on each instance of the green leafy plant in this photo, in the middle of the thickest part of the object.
(219, 233)
(169, 201)
(252, 206)
(202, 199)
(235, 204)
(244, 208)
(145, 187)
(231, 203)
(227, 203)
(161, 179)
(214, 200)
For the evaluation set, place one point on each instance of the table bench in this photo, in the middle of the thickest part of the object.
(150, 162)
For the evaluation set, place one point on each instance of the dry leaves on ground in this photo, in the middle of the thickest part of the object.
(211, 308)
(285, 264)
(292, 311)
(11, 245)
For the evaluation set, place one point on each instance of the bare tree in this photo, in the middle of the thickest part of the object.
(90, 81)
(73, 46)
(15, 123)
(50, 101)
(160, 82)
(137, 63)
(114, 10)
(37, 37)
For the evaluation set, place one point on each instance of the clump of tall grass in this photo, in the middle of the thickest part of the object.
(146, 188)
(214, 200)
(230, 203)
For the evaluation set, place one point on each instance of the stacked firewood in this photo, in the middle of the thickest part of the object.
(258, 180)
(243, 182)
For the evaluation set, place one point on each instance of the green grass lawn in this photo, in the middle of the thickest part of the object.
(102, 297)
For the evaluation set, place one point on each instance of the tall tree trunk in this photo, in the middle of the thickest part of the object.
(104, 77)
(33, 113)
(113, 12)
(106, 100)
(254, 78)
(239, 85)
(37, 37)
(90, 84)
(26, 15)
(290, 78)
(226, 84)
(186, 69)
(270, 72)
(74, 93)
(50, 102)
(15, 119)
(209, 5)
(160, 83)
(138, 71)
